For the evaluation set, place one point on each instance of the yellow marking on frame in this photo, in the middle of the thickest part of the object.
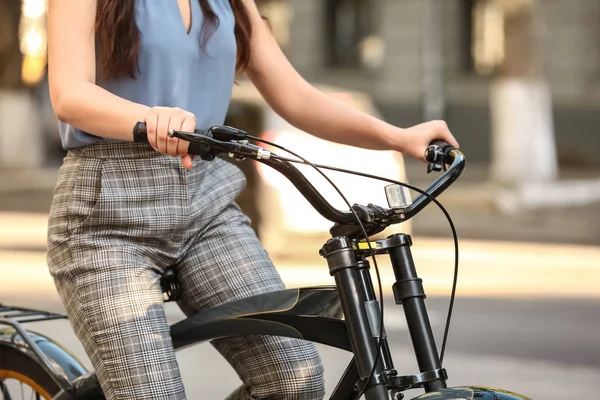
(365, 245)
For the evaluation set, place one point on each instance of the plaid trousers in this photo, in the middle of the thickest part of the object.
(121, 214)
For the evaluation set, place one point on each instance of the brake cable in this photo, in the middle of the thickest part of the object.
(318, 168)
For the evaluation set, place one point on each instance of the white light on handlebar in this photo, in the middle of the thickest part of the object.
(398, 197)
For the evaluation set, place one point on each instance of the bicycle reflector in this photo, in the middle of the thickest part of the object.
(398, 197)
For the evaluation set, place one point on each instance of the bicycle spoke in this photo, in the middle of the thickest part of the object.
(6, 388)
(4, 391)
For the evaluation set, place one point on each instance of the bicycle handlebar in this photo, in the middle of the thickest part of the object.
(207, 143)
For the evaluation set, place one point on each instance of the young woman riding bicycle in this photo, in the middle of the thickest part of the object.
(123, 212)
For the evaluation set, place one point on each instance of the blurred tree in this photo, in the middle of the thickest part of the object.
(523, 145)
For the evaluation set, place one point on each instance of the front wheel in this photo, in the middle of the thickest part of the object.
(21, 377)
(471, 392)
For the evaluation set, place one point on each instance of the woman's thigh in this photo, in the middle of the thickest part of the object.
(228, 263)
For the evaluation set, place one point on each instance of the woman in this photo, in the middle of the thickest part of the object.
(123, 212)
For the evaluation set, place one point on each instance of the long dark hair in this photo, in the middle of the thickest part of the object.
(118, 35)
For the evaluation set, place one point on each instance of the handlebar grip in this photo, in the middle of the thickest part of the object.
(438, 155)
(437, 150)
(140, 135)
(446, 148)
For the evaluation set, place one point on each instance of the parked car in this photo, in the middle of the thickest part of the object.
(279, 213)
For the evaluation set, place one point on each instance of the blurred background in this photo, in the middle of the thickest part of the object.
(517, 81)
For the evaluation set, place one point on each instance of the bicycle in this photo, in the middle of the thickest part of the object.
(347, 315)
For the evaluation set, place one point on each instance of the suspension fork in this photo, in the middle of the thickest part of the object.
(408, 292)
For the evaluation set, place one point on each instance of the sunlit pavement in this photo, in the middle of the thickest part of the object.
(526, 318)
(485, 269)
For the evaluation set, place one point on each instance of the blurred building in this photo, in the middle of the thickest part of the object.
(382, 47)
(404, 53)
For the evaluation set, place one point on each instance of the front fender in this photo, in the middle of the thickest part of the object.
(84, 384)
(471, 393)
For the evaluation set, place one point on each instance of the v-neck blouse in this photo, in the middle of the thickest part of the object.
(174, 71)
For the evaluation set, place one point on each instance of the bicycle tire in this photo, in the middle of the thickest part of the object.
(15, 364)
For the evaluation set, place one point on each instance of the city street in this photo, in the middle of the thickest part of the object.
(514, 82)
(526, 317)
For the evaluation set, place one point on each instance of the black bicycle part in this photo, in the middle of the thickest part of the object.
(22, 315)
(206, 151)
(452, 228)
(347, 218)
(218, 132)
(365, 384)
(342, 262)
(408, 291)
(471, 393)
(170, 286)
(374, 218)
(373, 314)
(322, 206)
(436, 155)
(318, 167)
(327, 211)
(382, 218)
(57, 363)
(13, 360)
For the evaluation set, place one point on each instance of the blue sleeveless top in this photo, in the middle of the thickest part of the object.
(173, 69)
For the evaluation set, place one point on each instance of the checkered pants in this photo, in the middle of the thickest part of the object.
(121, 214)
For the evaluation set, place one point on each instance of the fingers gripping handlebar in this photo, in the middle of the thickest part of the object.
(202, 149)
(223, 133)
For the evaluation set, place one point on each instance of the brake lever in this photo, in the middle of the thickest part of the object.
(436, 158)
(239, 149)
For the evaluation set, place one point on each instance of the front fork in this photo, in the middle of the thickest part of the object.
(350, 269)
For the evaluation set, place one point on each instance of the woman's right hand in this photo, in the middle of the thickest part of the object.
(159, 121)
